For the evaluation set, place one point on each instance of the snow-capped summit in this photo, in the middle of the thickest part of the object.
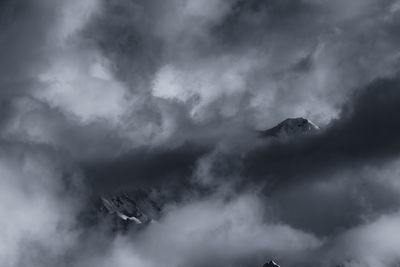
(289, 127)
(122, 206)
(125, 209)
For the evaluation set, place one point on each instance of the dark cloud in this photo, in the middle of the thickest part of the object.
(366, 133)
(266, 18)
(123, 32)
(99, 96)
(145, 167)
(25, 27)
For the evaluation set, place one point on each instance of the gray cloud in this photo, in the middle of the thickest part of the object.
(101, 95)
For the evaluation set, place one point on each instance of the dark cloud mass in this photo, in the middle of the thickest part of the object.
(366, 133)
(145, 167)
(99, 97)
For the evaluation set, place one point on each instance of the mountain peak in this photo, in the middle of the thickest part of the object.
(271, 264)
(137, 207)
(289, 127)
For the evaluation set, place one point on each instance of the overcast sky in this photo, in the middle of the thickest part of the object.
(99, 96)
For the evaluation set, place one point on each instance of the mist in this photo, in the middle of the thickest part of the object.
(100, 97)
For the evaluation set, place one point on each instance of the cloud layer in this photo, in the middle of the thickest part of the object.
(99, 96)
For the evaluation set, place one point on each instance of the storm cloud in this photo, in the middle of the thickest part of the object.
(365, 133)
(103, 96)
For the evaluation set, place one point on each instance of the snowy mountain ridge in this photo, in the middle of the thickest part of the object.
(290, 127)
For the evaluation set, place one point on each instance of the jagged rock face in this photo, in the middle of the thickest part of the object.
(271, 264)
(128, 209)
(290, 127)
(125, 208)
